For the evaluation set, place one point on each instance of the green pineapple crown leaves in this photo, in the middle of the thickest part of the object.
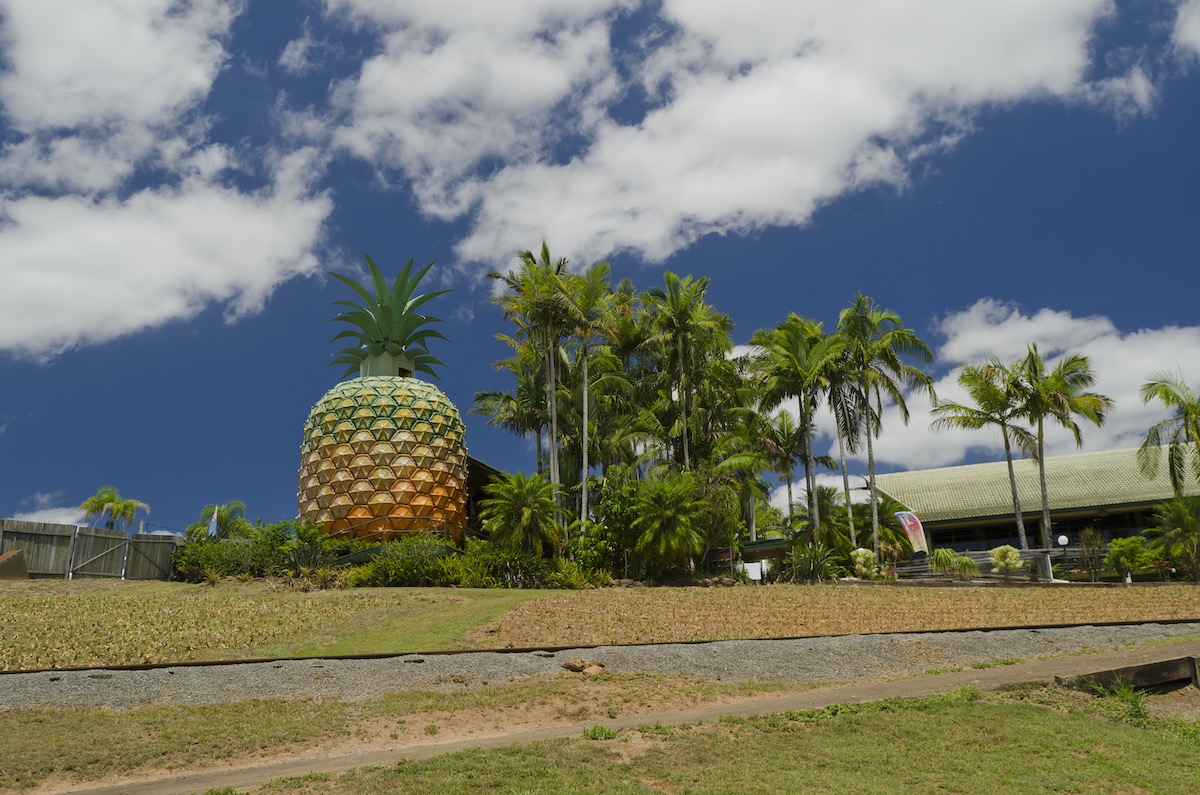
(388, 323)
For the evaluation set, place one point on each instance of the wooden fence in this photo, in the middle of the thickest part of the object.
(56, 550)
(1071, 559)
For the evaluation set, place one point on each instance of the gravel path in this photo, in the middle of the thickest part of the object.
(838, 659)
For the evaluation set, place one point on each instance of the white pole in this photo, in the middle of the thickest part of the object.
(71, 562)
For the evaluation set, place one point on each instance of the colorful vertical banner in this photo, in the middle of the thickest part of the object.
(914, 531)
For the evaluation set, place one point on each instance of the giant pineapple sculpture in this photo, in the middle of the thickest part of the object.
(384, 453)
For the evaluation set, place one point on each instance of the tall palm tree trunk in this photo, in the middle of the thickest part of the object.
(683, 407)
(874, 494)
(814, 507)
(552, 405)
(1045, 528)
(846, 487)
(1012, 482)
(753, 523)
(583, 509)
(787, 473)
(552, 413)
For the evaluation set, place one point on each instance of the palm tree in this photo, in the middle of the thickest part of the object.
(798, 359)
(587, 298)
(745, 451)
(1180, 431)
(785, 448)
(683, 322)
(231, 522)
(523, 410)
(848, 427)
(521, 512)
(107, 501)
(124, 511)
(536, 302)
(876, 341)
(1059, 395)
(97, 505)
(1177, 532)
(666, 520)
(831, 529)
(993, 389)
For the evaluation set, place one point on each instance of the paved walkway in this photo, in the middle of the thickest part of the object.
(997, 678)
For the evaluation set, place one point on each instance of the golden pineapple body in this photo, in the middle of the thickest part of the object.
(384, 455)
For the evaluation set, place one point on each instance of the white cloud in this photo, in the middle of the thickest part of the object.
(47, 510)
(1186, 34)
(993, 328)
(1120, 360)
(89, 270)
(93, 88)
(460, 84)
(1129, 94)
(302, 55)
(767, 110)
(116, 211)
(531, 122)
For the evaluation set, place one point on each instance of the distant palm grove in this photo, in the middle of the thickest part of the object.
(682, 431)
(654, 440)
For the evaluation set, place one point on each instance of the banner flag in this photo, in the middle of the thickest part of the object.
(212, 526)
(916, 533)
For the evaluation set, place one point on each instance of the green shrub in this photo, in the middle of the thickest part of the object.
(1127, 702)
(863, 561)
(271, 550)
(1006, 559)
(267, 555)
(204, 559)
(941, 560)
(812, 563)
(415, 560)
(965, 567)
(423, 560)
(307, 549)
(946, 561)
(591, 547)
(1127, 555)
(506, 568)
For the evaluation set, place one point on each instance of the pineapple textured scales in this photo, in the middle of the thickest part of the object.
(384, 454)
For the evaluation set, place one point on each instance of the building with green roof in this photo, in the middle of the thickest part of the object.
(970, 507)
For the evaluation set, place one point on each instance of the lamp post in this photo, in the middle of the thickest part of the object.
(1062, 542)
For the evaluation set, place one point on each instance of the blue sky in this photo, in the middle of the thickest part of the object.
(176, 178)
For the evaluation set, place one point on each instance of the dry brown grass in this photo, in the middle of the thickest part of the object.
(54, 624)
(644, 615)
(58, 624)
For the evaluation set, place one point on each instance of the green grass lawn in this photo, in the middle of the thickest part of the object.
(88, 744)
(962, 741)
(1026, 740)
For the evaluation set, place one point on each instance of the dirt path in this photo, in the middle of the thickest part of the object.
(1041, 671)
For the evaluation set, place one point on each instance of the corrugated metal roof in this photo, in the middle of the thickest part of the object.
(1083, 480)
